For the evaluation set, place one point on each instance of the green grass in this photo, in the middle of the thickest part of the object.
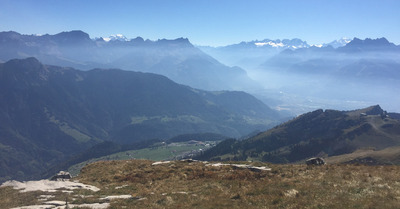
(77, 135)
(67, 129)
(157, 153)
(187, 118)
(164, 152)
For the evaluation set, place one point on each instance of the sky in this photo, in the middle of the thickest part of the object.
(208, 22)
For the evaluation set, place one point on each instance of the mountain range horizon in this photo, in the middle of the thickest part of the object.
(83, 91)
(121, 37)
(257, 67)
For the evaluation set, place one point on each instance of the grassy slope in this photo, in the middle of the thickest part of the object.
(318, 133)
(155, 153)
(388, 156)
(195, 185)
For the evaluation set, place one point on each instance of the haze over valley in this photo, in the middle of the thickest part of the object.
(288, 75)
(342, 74)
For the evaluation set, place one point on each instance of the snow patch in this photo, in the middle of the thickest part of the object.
(62, 205)
(47, 185)
(116, 37)
(261, 168)
(161, 162)
(108, 198)
(318, 45)
(120, 187)
(270, 43)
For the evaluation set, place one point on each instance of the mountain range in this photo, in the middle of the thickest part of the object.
(318, 133)
(48, 113)
(251, 54)
(359, 74)
(177, 59)
(316, 60)
(287, 74)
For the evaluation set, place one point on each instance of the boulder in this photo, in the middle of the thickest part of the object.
(315, 161)
(62, 175)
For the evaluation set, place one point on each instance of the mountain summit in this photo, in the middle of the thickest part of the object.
(338, 43)
(379, 44)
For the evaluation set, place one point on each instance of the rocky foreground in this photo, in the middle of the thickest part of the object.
(196, 184)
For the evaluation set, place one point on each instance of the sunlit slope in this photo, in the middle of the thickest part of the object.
(318, 133)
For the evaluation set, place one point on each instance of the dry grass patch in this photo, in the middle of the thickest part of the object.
(198, 185)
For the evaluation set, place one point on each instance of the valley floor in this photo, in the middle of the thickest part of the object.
(187, 184)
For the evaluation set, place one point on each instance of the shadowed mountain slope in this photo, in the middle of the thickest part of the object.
(48, 113)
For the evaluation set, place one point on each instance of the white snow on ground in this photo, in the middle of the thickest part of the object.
(68, 186)
(93, 206)
(52, 186)
(47, 185)
(160, 162)
(261, 168)
(35, 207)
(45, 197)
(55, 202)
(120, 187)
(108, 198)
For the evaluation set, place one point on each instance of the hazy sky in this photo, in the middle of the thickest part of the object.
(207, 22)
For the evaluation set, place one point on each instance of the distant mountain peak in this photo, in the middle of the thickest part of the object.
(338, 43)
(138, 39)
(75, 37)
(270, 43)
(74, 34)
(179, 41)
(116, 37)
(30, 61)
(294, 43)
(368, 42)
(9, 33)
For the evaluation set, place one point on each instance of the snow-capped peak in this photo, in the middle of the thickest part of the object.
(317, 45)
(285, 43)
(270, 43)
(339, 43)
(116, 37)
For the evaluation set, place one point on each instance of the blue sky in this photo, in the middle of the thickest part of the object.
(208, 22)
